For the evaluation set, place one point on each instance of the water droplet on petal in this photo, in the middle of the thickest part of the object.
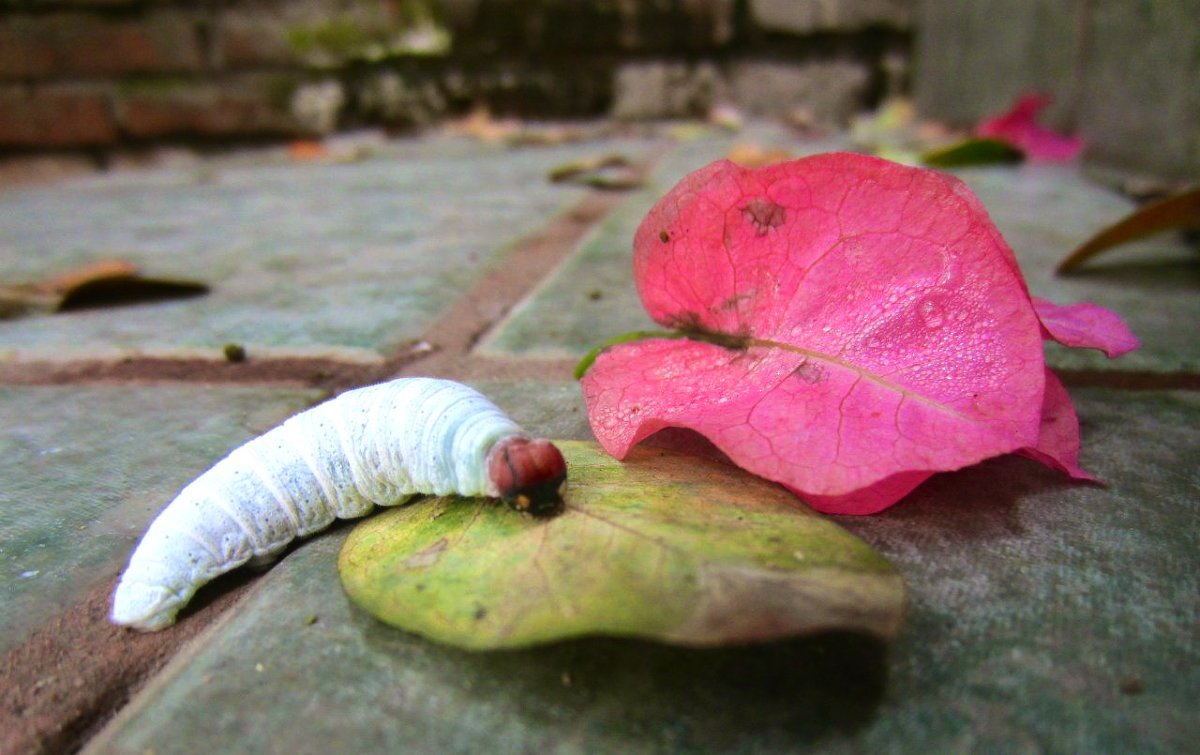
(931, 313)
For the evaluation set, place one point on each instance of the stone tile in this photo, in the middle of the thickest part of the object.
(55, 116)
(1045, 212)
(808, 18)
(830, 93)
(1044, 616)
(548, 409)
(301, 256)
(590, 297)
(86, 468)
(964, 64)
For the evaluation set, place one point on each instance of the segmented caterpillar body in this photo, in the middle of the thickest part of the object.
(377, 445)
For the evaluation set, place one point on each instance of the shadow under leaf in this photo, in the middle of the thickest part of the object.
(627, 693)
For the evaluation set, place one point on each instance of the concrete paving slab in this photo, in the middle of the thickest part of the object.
(549, 409)
(1047, 616)
(84, 469)
(1044, 616)
(301, 255)
(589, 298)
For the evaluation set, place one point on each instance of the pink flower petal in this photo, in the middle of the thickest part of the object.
(1085, 326)
(820, 428)
(1019, 127)
(857, 326)
(1058, 439)
(869, 500)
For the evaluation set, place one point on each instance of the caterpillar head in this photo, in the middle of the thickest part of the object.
(529, 474)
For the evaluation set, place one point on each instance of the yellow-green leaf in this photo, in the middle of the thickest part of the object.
(663, 546)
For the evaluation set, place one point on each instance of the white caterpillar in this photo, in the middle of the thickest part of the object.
(372, 446)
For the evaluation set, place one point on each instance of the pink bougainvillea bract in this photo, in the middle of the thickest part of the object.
(860, 325)
(1019, 127)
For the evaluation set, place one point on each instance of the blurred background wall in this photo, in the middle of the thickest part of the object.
(99, 74)
(1126, 73)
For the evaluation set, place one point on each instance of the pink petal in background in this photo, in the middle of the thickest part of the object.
(1020, 128)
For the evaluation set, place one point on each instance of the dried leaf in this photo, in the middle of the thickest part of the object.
(480, 125)
(304, 150)
(48, 295)
(96, 284)
(1180, 211)
(892, 123)
(893, 132)
(24, 301)
(665, 546)
(591, 163)
(120, 292)
(91, 272)
(750, 155)
(608, 171)
(727, 116)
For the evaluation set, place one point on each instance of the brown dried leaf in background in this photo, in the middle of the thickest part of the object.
(481, 126)
(571, 170)
(105, 283)
(749, 155)
(612, 171)
(1181, 211)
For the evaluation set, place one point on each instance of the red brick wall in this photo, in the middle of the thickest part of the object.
(104, 73)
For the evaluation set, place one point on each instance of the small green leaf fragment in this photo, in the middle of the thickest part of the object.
(724, 340)
(638, 335)
(663, 546)
(973, 152)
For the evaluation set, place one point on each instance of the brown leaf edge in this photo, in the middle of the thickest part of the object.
(1178, 211)
(103, 283)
